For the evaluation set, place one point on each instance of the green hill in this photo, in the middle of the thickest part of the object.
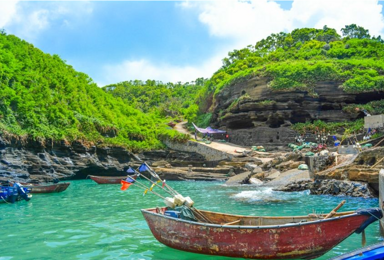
(165, 99)
(298, 59)
(43, 98)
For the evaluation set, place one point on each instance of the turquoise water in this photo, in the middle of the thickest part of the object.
(91, 221)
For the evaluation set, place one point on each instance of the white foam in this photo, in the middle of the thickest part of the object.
(260, 195)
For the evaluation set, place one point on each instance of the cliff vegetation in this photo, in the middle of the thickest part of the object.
(44, 99)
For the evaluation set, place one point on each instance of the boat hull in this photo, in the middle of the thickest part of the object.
(372, 252)
(305, 240)
(49, 188)
(108, 179)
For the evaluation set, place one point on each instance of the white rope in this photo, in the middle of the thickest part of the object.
(4, 200)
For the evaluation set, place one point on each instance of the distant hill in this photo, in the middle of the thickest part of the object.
(174, 100)
(43, 98)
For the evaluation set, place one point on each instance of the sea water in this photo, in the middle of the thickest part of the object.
(91, 221)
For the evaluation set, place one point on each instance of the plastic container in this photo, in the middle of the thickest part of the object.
(188, 202)
(179, 200)
(170, 202)
(172, 213)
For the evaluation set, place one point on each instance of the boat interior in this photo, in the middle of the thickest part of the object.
(210, 217)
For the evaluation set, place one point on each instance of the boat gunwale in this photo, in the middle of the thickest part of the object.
(353, 213)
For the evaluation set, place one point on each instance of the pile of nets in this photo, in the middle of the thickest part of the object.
(295, 147)
(258, 148)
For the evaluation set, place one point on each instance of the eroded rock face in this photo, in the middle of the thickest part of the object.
(58, 160)
(32, 161)
(263, 117)
(364, 168)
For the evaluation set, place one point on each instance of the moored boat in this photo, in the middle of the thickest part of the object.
(13, 193)
(372, 252)
(47, 187)
(109, 179)
(257, 237)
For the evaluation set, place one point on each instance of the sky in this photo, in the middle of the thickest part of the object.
(170, 41)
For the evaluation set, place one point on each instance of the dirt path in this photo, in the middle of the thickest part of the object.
(225, 147)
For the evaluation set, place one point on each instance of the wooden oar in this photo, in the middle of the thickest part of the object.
(333, 212)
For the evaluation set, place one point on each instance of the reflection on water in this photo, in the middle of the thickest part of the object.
(90, 221)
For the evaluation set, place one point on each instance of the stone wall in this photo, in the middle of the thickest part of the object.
(376, 121)
(210, 154)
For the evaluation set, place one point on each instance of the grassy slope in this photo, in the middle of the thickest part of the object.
(41, 97)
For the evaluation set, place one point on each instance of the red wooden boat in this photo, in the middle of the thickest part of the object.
(304, 237)
(109, 179)
(47, 188)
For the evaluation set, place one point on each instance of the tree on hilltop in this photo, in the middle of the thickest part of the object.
(354, 31)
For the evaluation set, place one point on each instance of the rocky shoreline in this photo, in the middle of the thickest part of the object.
(352, 176)
(331, 187)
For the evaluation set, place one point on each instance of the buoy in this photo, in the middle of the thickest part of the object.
(170, 202)
(179, 200)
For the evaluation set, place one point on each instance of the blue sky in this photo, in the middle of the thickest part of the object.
(171, 41)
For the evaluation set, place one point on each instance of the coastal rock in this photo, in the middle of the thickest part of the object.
(255, 181)
(254, 114)
(299, 185)
(33, 161)
(342, 188)
(330, 187)
(242, 178)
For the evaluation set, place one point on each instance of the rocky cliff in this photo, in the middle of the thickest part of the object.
(27, 160)
(254, 114)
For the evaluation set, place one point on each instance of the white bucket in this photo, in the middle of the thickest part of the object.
(170, 202)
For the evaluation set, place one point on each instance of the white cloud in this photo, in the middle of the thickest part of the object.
(246, 22)
(144, 69)
(240, 23)
(7, 12)
(28, 19)
(338, 13)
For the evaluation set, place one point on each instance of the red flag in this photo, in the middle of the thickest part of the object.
(163, 184)
(125, 185)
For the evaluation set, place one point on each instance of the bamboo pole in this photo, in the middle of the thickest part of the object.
(157, 176)
(379, 161)
(379, 142)
(155, 183)
(142, 186)
(333, 212)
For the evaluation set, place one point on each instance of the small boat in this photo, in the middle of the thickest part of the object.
(372, 252)
(16, 192)
(47, 187)
(256, 237)
(109, 179)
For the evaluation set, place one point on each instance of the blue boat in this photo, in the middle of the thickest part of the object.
(16, 192)
(373, 252)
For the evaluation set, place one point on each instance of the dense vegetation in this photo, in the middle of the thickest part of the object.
(299, 59)
(175, 101)
(43, 98)
(304, 56)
